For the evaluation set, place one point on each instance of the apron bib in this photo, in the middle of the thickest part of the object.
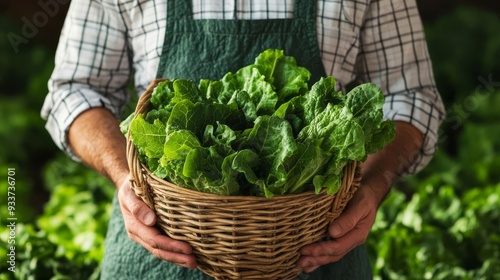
(208, 49)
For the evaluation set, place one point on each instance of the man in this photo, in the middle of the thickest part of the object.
(104, 43)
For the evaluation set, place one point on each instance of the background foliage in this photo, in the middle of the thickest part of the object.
(439, 224)
(443, 222)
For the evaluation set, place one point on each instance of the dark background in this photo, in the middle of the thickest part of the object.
(16, 9)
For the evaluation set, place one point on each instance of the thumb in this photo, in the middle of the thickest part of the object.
(344, 223)
(131, 203)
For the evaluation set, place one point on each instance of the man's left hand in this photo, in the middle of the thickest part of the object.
(378, 172)
(348, 231)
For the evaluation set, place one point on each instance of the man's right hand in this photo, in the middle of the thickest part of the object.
(95, 137)
(139, 221)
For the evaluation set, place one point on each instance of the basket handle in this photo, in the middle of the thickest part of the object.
(351, 181)
(138, 181)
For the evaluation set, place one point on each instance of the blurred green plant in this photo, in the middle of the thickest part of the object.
(448, 226)
(26, 145)
(67, 240)
(442, 223)
(438, 234)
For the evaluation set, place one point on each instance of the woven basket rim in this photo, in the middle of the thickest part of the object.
(218, 197)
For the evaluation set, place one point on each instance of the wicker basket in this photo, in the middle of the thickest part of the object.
(239, 237)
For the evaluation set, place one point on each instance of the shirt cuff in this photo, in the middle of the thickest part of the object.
(425, 114)
(62, 107)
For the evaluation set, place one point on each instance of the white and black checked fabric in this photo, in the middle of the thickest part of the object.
(104, 42)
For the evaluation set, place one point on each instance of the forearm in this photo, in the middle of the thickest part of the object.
(96, 139)
(381, 169)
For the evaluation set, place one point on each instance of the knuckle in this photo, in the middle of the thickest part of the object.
(122, 193)
(340, 253)
(135, 208)
(331, 250)
(131, 233)
(156, 253)
(153, 244)
(336, 258)
(348, 223)
(323, 248)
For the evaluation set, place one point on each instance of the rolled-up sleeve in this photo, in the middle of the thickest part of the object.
(92, 68)
(394, 56)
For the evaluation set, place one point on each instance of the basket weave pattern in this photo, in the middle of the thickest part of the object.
(239, 237)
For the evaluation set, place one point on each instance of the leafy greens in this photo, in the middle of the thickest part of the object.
(259, 131)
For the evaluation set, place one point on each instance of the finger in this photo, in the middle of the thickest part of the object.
(309, 263)
(310, 269)
(156, 240)
(354, 237)
(160, 245)
(134, 208)
(360, 208)
(167, 249)
(138, 221)
(330, 251)
(346, 221)
(137, 207)
(326, 248)
(339, 246)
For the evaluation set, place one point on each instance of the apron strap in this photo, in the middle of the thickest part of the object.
(183, 9)
(179, 9)
(304, 9)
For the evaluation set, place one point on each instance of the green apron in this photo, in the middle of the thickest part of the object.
(198, 49)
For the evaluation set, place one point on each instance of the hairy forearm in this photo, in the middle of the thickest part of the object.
(96, 139)
(381, 169)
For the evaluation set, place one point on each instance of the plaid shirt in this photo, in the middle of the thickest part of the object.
(105, 42)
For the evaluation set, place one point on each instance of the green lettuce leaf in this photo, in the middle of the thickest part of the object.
(365, 102)
(210, 172)
(195, 117)
(254, 83)
(149, 138)
(272, 140)
(221, 137)
(282, 71)
(162, 94)
(321, 94)
(308, 161)
(178, 144)
(259, 131)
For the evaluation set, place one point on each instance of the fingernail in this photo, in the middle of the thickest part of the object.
(149, 218)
